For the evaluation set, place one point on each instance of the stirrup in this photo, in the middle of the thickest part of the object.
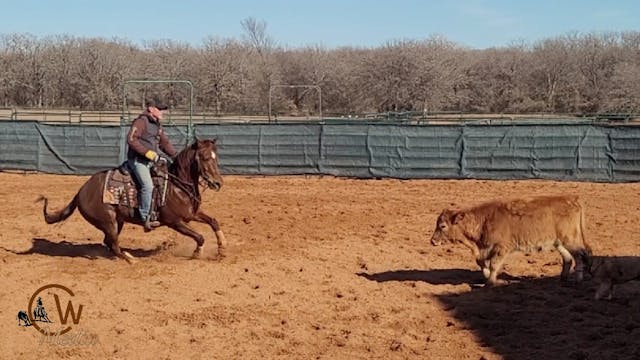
(150, 225)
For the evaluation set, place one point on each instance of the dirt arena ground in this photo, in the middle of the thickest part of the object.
(316, 268)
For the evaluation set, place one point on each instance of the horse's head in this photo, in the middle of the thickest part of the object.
(207, 159)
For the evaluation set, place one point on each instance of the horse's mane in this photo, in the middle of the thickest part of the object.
(181, 166)
(182, 163)
(183, 158)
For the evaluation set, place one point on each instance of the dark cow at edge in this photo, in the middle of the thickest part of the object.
(495, 229)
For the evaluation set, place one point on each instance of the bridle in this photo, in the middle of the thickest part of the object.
(204, 179)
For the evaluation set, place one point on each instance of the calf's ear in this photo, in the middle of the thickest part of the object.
(457, 217)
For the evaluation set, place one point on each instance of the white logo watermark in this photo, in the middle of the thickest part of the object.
(78, 337)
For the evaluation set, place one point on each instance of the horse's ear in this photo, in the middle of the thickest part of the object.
(196, 142)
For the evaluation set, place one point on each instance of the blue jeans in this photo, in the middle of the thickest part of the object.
(142, 171)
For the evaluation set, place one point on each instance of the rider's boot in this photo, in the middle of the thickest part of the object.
(150, 224)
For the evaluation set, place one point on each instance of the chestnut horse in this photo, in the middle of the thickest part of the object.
(195, 164)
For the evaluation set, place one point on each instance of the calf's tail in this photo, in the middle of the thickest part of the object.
(585, 253)
(587, 247)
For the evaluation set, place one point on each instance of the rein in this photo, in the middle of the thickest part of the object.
(183, 167)
(189, 187)
(186, 187)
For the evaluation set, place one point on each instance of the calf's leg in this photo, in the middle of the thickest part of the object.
(484, 266)
(495, 265)
(579, 257)
(567, 260)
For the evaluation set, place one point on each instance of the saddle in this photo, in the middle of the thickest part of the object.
(121, 188)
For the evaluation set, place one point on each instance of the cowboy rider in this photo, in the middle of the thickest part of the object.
(146, 136)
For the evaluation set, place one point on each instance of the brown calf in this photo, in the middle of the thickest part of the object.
(495, 229)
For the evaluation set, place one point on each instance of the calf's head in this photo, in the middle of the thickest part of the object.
(448, 228)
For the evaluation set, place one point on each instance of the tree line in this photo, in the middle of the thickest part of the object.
(570, 73)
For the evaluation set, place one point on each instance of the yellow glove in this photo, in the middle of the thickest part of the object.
(151, 155)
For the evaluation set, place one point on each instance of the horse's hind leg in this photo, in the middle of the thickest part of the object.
(119, 253)
(109, 240)
(111, 233)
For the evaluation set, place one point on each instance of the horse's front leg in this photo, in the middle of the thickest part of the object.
(204, 218)
(185, 229)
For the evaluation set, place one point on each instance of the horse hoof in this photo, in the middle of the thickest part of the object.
(197, 253)
(128, 257)
(496, 283)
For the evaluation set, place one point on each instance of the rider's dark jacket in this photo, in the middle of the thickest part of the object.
(146, 134)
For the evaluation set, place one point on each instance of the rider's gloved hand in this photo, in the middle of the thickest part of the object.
(152, 155)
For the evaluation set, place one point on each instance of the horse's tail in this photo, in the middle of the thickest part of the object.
(59, 215)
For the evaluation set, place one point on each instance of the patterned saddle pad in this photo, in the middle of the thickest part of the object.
(121, 188)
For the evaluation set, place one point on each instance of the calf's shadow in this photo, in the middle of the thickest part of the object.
(537, 318)
(435, 276)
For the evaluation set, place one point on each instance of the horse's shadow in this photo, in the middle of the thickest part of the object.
(89, 251)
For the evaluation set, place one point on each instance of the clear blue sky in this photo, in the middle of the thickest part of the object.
(330, 23)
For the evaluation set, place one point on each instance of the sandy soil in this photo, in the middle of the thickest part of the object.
(317, 268)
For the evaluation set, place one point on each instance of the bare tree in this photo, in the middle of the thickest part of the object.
(624, 95)
(385, 76)
(498, 78)
(26, 68)
(221, 73)
(441, 75)
(167, 60)
(101, 69)
(255, 33)
(261, 64)
(309, 66)
(596, 57)
(340, 86)
(60, 78)
(574, 72)
(551, 66)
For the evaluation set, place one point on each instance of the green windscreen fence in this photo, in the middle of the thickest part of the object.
(583, 152)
